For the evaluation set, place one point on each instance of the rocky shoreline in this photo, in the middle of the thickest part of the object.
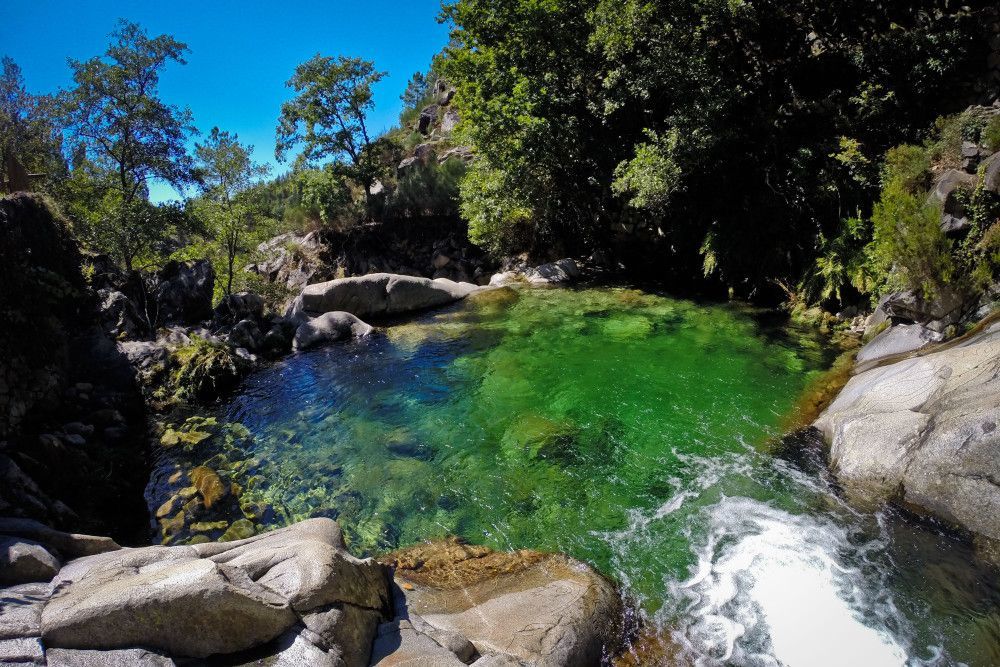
(296, 596)
(918, 428)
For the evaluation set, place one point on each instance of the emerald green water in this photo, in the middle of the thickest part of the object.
(627, 429)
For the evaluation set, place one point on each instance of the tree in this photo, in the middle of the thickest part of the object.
(127, 133)
(29, 137)
(419, 86)
(327, 117)
(226, 175)
(718, 134)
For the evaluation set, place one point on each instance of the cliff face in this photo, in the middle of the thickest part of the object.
(72, 422)
(41, 296)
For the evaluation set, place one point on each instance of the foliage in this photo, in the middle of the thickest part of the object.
(991, 134)
(652, 176)
(228, 207)
(742, 128)
(429, 190)
(418, 89)
(908, 248)
(28, 130)
(204, 369)
(327, 117)
(498, 219)
(841, 265)
(126, 133)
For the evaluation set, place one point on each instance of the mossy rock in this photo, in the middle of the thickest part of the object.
(239, 530)
(208, 526)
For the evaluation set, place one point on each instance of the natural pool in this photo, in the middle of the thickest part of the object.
(630, 430)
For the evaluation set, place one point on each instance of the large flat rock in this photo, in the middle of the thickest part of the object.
(378, 295)
(513, 607)
(223, 598)
(924, 431)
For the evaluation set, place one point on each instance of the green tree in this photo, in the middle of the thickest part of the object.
(232, 214)
(418, 87)
(327, 118)
(28, 131)
(701, 132)
(127, 133)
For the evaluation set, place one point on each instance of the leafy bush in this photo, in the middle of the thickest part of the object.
(429, 190)
(909, 250)
(990, 136)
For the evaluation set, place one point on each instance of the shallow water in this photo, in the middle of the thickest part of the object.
(626, 429)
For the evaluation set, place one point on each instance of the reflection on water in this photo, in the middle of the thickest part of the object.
(625, 429)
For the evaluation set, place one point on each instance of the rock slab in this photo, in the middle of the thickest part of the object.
(924, 432)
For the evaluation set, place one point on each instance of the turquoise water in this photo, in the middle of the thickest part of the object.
(627, 429)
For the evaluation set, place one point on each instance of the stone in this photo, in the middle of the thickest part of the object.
(21, 610)
(449, 121)
(78, 428)
(186, 607)
(554, 273)
(238, 530)
(428, 116)
(923, 431)
(407, 165)
(246, 334)
(348, 628)
(294, 649)
(937, 314)
(379, 295)
(143, 354)
(329, 327)
(240, 306)
(399, 643)
(896, 340)
(132, 657)
(74, 440)
(183, 292)
(462, 153)
(21, 650)
(24, 561)
(990, 171)
(67, 545)
(537, 608)
(119, 317)
(289, 259)
(209, 485)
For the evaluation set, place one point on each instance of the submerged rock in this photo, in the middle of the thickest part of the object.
(329, 327)
(923, 431)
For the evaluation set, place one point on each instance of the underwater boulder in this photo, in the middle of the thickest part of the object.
(328, 328)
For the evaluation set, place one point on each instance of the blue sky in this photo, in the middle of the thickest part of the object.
(241, 52)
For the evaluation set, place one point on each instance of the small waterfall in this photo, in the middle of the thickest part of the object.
(771, 588)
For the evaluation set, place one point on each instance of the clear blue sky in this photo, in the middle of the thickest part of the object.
(242, 52)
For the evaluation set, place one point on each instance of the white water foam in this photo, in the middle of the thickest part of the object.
(770, 589)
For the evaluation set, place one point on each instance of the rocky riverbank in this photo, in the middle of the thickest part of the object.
(917, 426)
(295, 596)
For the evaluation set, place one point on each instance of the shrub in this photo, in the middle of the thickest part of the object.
(908, 249)
(429, 190)
(990, 136)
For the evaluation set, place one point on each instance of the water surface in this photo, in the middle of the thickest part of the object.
(629, 430)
